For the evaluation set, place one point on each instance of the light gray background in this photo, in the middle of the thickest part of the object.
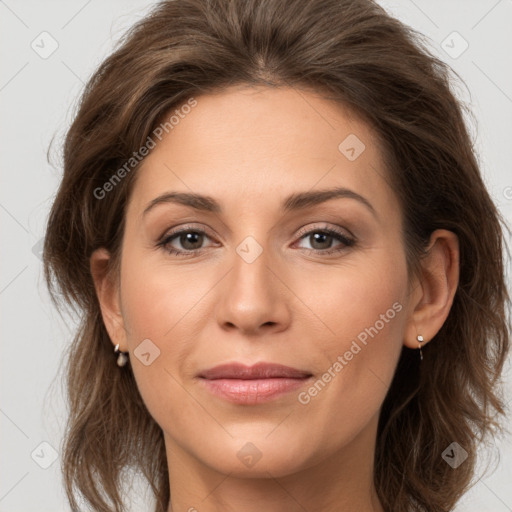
(37, 98)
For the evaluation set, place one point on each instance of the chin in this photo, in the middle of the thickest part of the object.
(259, 457)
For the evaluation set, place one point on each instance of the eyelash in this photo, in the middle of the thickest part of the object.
(346, 240)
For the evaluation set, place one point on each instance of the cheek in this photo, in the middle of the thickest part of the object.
(157, 298)
(354, 296)
(158, 302)
(364, 309)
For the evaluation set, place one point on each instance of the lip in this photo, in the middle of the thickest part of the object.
(257, 371)
(252, 385)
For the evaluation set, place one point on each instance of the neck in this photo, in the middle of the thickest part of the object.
(342, 481)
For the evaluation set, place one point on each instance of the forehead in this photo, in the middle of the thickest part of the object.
(257, 143)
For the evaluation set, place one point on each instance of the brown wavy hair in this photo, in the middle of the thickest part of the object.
(355, 54)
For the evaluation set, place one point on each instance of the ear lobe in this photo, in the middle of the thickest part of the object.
(107, 291)
(436, 288)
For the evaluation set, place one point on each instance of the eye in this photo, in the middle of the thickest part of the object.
(322, 239)
(190, 240)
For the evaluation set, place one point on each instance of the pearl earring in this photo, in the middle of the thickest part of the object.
(420, 339)
(122, 359)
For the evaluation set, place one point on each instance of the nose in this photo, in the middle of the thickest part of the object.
(254, 297)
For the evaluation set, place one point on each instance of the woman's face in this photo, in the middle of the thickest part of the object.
(258, 279)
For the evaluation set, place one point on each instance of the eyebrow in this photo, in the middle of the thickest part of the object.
(294, 202)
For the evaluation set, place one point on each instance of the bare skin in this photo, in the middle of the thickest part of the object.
(294, 304)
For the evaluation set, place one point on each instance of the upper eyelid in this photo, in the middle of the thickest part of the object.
(337, 230)
(302, 230)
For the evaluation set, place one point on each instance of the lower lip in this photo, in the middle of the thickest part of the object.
(253, 391)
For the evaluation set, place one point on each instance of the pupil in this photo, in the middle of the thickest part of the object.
(188, 238)
(322, 235)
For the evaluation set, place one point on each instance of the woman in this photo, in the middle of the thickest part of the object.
(272, 219)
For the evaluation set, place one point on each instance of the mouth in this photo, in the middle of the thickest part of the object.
(252, 385)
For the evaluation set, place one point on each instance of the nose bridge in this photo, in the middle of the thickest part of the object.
(251, 275)
(252, 250)
(251, 297)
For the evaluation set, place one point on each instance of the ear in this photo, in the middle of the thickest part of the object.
(433, 295)
(107, 291)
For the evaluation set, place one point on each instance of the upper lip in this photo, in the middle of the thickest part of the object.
(257, 371)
